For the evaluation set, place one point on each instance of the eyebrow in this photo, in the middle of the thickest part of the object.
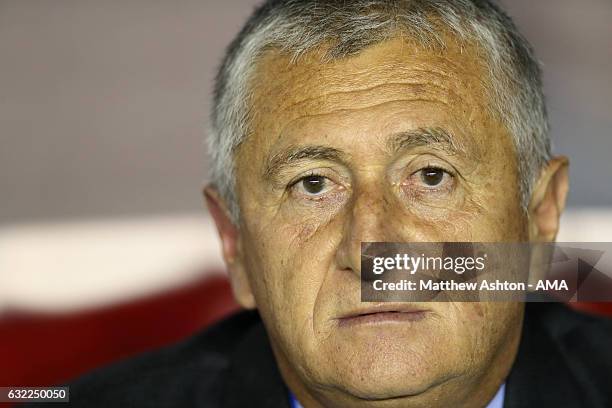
(427, 136)
(293, 155)
(434, 137)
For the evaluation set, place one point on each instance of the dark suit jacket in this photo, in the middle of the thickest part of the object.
(564, 360)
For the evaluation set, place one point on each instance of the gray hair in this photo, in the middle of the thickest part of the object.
(296, 27)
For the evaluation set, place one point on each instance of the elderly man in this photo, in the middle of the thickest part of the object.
(342, 122)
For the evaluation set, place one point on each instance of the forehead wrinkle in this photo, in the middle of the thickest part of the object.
(347, 80)
(339, 111)
(361, 96)
(295, 154)
(359, 67)
(312, 76)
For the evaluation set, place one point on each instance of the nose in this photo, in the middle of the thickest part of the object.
(369, 219)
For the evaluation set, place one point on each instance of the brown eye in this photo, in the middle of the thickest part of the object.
(432, 176)
(313, 184)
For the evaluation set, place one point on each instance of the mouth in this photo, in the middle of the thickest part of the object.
(383, 314)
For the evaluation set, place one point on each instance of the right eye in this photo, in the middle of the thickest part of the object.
(432, 176)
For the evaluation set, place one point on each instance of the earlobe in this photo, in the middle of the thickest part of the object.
(548, 200)
(229, 235)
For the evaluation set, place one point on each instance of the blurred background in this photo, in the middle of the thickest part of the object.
(106, 248)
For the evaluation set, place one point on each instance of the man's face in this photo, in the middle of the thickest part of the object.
(395, 144)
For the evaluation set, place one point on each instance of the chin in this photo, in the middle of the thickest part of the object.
(377, 376)
(383, 390)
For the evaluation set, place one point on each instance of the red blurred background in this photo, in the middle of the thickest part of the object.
(41, 350)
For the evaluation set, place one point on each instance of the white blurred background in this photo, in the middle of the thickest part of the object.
(103, 109)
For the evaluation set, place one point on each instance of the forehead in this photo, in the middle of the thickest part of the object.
(397, 76)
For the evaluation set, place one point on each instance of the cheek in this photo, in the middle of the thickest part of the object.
(302, 233)
(504, 220)
(467, 330)
(482, 325)
(488, 219)
(456, 225)
(287, 263)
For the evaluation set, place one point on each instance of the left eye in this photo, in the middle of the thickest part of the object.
(312, 185)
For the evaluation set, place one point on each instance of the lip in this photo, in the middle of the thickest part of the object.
(381, 314)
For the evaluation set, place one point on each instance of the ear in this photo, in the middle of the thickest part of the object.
(548, 200)
(229, 234)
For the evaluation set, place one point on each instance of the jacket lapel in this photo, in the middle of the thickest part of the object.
(254, 379)
(541, 376)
